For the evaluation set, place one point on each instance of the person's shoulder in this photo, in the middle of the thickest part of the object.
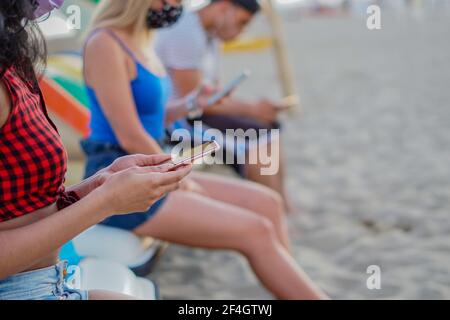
(188, 28)
(101, 43)
(183, 45)
(189, 19)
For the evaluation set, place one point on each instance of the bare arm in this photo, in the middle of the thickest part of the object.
(184, 81)
(49, 233)
(86, 186)
(189, 79)
(22, 247)
(107, 72)
(176, 109)
(132, 190)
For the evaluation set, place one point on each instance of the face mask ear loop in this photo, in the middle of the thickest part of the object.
(44, 17)
(53, 6)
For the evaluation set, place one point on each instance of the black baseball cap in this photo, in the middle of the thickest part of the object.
(251, 6)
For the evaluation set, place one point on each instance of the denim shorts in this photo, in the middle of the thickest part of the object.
(99, 156)
(238, 147)
(41, 284)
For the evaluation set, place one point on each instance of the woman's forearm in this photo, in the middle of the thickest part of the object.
(140, 144)
(22, 247)
(176, 109)
(144, 145)
(85, 187)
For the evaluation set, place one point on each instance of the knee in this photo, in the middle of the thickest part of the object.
(273, 204)
(259, 234)
(275, 199)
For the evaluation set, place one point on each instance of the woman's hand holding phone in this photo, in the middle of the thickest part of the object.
(137, 187)
(126, 162)
(198, 152)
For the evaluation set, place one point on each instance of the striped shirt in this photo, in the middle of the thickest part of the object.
(187, 46)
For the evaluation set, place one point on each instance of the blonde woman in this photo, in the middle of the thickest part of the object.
(128, 90)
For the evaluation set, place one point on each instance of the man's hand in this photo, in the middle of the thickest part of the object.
(265, 111)
(205, 93)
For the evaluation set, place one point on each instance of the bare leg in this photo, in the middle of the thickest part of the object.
(275, 180)
(288, 206)
(108, 295)
(195, 220)
(252, 196)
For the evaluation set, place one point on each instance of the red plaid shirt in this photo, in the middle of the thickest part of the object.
(32, 158)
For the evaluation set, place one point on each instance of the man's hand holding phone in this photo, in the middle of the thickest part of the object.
(207, 97)
(206, 93)
(200, 100)
(229, 88)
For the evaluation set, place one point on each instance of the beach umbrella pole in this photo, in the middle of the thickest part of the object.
(285, 73)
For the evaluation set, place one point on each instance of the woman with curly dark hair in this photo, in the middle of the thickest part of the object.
(37, 214)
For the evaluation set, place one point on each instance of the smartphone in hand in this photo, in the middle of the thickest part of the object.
(229, 87)
(193, 154)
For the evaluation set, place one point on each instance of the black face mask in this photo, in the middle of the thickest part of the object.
(164, 18)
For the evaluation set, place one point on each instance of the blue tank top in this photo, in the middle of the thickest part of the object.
(150, 93)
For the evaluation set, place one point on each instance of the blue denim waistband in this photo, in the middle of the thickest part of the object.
(91, 147)
(41, 284)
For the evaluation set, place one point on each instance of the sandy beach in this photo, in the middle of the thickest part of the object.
(368, 162)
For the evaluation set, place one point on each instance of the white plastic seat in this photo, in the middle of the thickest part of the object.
(115, 245)
(99, 274)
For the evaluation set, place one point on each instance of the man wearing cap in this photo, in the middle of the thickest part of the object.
(190, 51)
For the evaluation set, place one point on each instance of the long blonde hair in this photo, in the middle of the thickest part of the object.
(120, 14)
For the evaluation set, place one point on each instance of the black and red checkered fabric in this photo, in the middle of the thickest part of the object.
(33, 161)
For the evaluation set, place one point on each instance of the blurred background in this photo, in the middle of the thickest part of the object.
(368, 149)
